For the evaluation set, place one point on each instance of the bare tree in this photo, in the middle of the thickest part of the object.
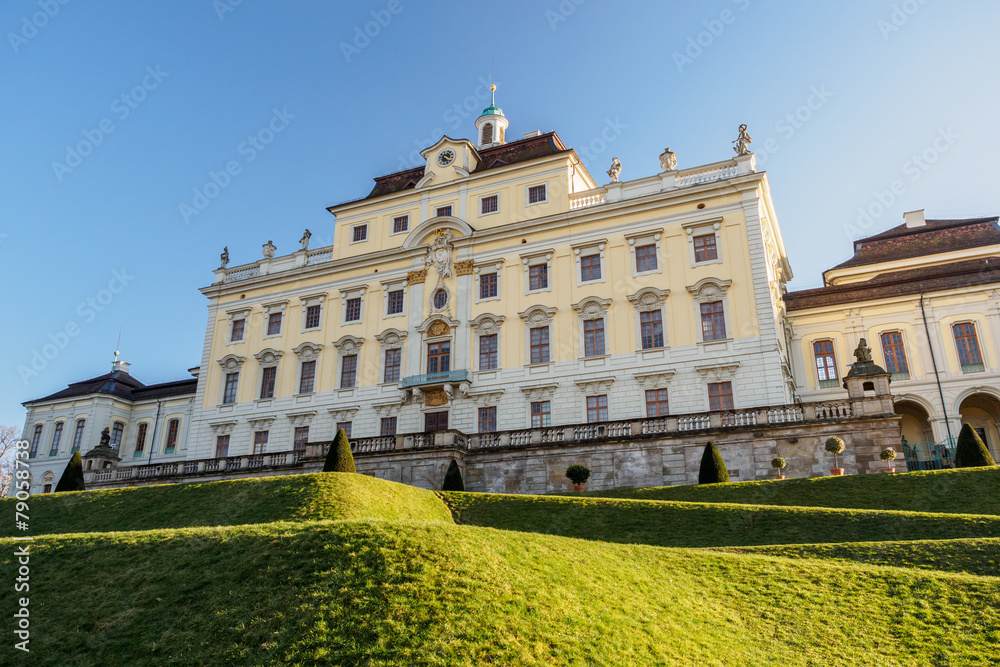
(8, 447)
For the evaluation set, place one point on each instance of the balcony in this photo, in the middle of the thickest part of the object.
(445, 377)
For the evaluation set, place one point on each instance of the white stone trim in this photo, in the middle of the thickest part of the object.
(536, 317)
(479, 210)
(649, 299)
(592, 308)
(312, 300)
(488, 324)
(536, 258)
(238, 314)
(527, 189)
(354, 292)
(651, 237)
(488, 267)
(708, 290)
(589, 249)
(350, 238)
(704, 228)
(275, 307)
(392, 285)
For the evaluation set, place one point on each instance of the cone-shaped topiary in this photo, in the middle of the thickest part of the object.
(713, 468)
(72, 477)
(453, 478)
(339, 458)
(971, 451)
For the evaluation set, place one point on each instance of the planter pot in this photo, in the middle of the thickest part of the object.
(779, 476)
(836, 471)
(579, 487)
(890, 469)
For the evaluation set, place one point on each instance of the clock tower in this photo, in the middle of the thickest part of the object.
(491, 124)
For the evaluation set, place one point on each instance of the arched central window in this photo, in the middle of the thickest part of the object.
(487, 133)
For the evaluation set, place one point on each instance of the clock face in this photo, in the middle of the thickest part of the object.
(440, 254)
(446, 157)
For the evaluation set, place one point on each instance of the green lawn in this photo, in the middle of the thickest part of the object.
(424, 593)
(960, 491)
(256, 500)
(674, 524)
(972, 556)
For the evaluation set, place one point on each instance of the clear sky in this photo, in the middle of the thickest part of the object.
(115, 115)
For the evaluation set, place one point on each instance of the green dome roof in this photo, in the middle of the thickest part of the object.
(492, 110)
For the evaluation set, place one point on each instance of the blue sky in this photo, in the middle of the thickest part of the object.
(878, 106)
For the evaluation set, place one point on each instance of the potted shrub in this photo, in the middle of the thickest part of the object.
(579, 475)
(835, 446)
(779, 464)
(888, 455)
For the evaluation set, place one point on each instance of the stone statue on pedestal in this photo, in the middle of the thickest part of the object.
(224, 257)
(743, 141)
(863, 353)
(305, 240)
(268, 250)
(616, 169)
(668, 159)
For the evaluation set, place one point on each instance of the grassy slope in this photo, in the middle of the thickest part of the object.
(972, 556)
(706, 525)
(961, 491)
(252, 500)
(409, 593)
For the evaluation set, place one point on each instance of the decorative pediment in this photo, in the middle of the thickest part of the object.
(595, 386)
(349, 344)
(344, 414)
(231, 363)
(540, 392)
(537, 315)
(649, 298)
(592, 308)
(387, 409)
(391, 339)
(307, 351)
(261, 423)
(657, 380)
(486, 398)
(487, 324)
(223, 428)
(709, 289)
(437, 325)
(301, 418)
(268, 357)
(419, 236)
(719, 372)
(448, 160)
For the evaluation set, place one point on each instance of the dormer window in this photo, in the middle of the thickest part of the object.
(487, 134)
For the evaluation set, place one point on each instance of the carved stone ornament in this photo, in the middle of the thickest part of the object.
(649, 298)
(591, 387)
(743, 142)
(305, 239)
(655, 380)
(268, 250)
(439, 254)
(487, 324)
(539, 393)
(268, 357)
(616, 169)
(592, 308)
(301, 418)
(668, 159)
(344, 414)
(436, 397)
(439, 328)
(416, 277)
(863, 353)
(464, 268)
(223, 428)
(224, 258)
(486, 399)
(349, 345)
(391, 339)
(231, 363)
(538, 316)
(719, 373)
(387, 409)
(709, 289)
(308, 351)
(261, 423)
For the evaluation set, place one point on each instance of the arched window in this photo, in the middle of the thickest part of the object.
(487, 134)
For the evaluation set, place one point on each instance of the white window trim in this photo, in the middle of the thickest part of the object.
(392, 223)
(307, 352)
(902, 331)
(312, 300)
(589, 249)
(230, 363)
(704, 228)
(351, 240)
(489, 324)
(162, 449)
(352, 293)
(535, 318)
(640, 239)
(480, 209)
(346, 346)
(534, 259)
(395, 285)
(238, 314)
(275, 307)
(266, 358)
(452, 205)
(593, 308)
(484, 268)
(527, 189)
(650, 299)
(391, 339)
(146, 442)
(718, 373)
(708, 290)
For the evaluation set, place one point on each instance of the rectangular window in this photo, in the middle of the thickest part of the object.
(307, 377)
(826, 362)
(81, 424)
(229, 394)
(656, 403)
(490, 204)
(221, 446)
(968, 346)
(541, 414)
(590, 268)
(488, 419)
(348, 371)
(536, 193)
(488, 287)
(651, 329)
(36, 440)
(597, 409)
(388, 426)
(274, 324)
(540, 345)
(488, 352)
(239, 328)
(645, 258)
(713, 321)
(172, 427)
(892, 350)
(720, 396)
(267, 381)
(538, 276)
(705, 249)
(392, 363)
(301, 438)
(439, 357)
(140, 438)
(312, 317)
(359, 233)
(260, 442)
(117, 430)
(593, 338)
(400, 224)
(353, 310)
(346, 427)
(395, 305)
(56, 439)
(444, 211)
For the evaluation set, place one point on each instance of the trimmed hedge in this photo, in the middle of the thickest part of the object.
(713, 468)
(72, 477)
(453, 478)
(971, 451)
(339, 458)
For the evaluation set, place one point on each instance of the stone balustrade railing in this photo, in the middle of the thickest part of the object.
(242, 273)
(699, 175)
(587, 198)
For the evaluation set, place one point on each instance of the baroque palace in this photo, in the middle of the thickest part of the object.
(500, 308)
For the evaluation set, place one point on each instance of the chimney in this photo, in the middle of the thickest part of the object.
(532, 134)
(122, 366)
(915, 219)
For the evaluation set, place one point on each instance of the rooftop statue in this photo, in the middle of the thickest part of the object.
(668, 159)
(863, 353)
(743, 142)
(268, 250)
(616, 169)
(305, 239)
(224, 257)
